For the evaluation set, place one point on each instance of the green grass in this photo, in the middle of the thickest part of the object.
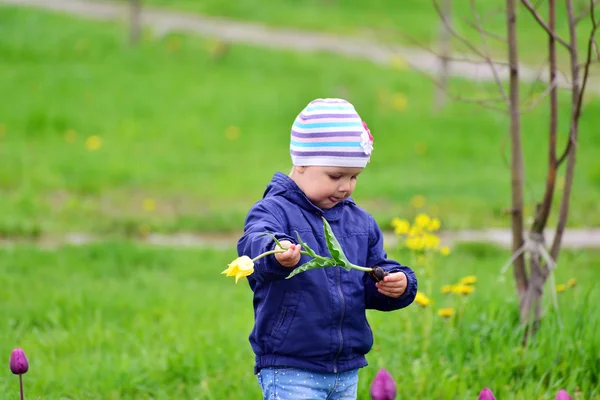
(400, 22)
(120, 321)
(163, 111)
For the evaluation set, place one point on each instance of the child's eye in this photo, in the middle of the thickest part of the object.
(335, 178)
(354, 177)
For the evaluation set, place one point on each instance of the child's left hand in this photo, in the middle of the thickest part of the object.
(393, 285)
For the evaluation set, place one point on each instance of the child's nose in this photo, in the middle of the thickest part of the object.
(344, 187)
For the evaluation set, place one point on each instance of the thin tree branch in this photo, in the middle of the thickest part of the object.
(484, 103)
(517, 173)
(543, 209)
(541, 21)
(487, 54)
(586, 73)
(576, 101)
(492, 35)
(536, 101)
(585, 12)
(454, 33)
(465, 59)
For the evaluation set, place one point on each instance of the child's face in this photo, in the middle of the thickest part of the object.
(326, 186)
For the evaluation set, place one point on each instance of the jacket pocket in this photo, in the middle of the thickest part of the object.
(284, 320)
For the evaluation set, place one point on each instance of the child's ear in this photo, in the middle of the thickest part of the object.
(300, 170)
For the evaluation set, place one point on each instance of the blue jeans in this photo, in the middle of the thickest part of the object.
(294, 383)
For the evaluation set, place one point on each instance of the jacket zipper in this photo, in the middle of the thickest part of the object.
(342, 304)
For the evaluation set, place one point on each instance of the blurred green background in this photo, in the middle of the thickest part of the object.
(182, 133)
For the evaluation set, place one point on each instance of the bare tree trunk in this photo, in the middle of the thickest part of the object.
(539, 274)
(135, 11)
(445, 53)
(516, 153)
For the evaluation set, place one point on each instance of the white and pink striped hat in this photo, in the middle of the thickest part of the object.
(330, 133)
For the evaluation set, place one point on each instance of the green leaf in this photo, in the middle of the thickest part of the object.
(335, 248)
(274, 238)
(313, 264)
(310, 251)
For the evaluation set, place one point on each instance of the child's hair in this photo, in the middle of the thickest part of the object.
(329, 132)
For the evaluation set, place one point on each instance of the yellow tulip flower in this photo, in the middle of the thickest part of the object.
(241, 266)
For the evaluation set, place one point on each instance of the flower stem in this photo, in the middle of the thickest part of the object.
(21, 386)
(266, 253)
(360, 268)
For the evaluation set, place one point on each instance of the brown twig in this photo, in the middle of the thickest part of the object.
(454, 33)
(484, 103)
(487, 54)
(536, 101)
(543, 24)
(577, 100)
(492, 35)
(543, 210)
(585, 12)
(454, 59)
(586, 73)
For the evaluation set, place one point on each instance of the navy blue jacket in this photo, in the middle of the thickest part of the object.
(315, 320)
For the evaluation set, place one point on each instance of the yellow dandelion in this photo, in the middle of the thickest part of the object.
(149, 205)
(422, 220)
(446, 312)
(70, 136)
(93, 143)
(463, 289)
(432, 242)
(232, 133)
(468, 280)
(422, 300)
(418, 201)
(415, 231)
(434, 225)
(445, 251)
(399, 62)
(401, 229)
(572, 282)
(447, 289)
(561, 288)
(399, 101)
(415, 243)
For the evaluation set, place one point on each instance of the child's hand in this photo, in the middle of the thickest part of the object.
(291, 257)
(393, 285)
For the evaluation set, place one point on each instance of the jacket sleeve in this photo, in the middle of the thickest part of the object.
(378, 257)
(260, 219)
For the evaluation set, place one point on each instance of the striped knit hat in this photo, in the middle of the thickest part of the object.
(330, 133)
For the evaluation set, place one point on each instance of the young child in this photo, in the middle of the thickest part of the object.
(311, 332)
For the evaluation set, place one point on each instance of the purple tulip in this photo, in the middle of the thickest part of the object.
(19, 365)
(562, 395)
(18, 362)
(383, 386)
(486, 394)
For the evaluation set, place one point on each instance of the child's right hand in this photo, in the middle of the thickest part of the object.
(291, 257)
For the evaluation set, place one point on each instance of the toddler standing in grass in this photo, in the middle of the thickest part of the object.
(311, 333)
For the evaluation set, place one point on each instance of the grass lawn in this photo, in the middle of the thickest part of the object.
(170, 136)
(120, 321)
(398, 22)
